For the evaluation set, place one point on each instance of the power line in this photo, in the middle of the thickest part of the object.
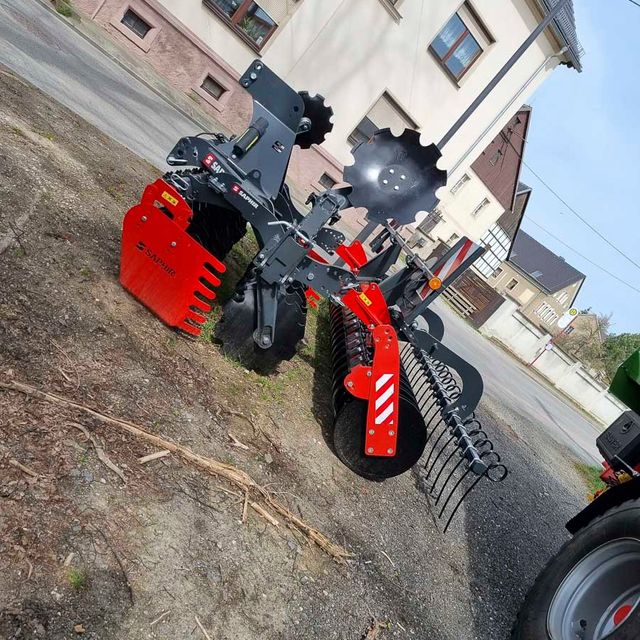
(634, 2)
(564, 202)
(581, 218)
(595, 264)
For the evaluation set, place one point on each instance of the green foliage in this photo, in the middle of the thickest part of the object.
(617, 348)
(63, 7)
(591, 475)
(77, 578)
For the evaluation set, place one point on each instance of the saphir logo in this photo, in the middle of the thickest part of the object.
(156, 259)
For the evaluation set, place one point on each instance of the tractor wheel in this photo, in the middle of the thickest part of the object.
(591, 589)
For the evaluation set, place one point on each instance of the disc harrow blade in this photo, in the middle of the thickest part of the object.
(165, 268)
(320, 116)
(395, 177)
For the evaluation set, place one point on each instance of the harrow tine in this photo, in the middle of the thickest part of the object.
(462, 499)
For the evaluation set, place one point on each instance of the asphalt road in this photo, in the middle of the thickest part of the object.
(41, 48)
(509, 387)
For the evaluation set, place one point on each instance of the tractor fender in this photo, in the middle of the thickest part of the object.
(613, 497)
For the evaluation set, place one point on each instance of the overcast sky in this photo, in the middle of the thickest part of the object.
(584, 141)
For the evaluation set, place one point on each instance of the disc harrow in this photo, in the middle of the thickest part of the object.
(399, 395)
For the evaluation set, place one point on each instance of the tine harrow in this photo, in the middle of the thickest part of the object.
(458, 453)
(399, 395)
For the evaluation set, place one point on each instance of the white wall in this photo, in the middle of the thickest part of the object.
(353, 50)
(457, 209)
(511, 328)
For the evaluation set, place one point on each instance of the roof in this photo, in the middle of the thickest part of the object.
(565, 27)
(500, 163)
(543, 266)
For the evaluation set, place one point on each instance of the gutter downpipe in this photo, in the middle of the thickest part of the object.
(505, 109)
(502, 73)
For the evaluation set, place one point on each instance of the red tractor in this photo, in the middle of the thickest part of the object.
(591, 589)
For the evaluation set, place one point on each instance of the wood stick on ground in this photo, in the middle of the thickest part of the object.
(236, 443)
(102, 456)
(154, 456)
(206, 635)
(264, 513)
(245, 507)
(162, 616)
(233, 475)
(30, 472)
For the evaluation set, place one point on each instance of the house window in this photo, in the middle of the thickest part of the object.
(495, 158)
(480, 207)
(497, 272)
(386, 112)
(513, 283)
(453, 239)
(431, 221)
(561, 297)
(135, 23)
(461, 42)
(458, 185)
(247, 18)
(569, 330)
(213, 88)
(327, 181)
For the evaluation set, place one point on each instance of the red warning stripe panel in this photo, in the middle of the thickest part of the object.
(449, 267)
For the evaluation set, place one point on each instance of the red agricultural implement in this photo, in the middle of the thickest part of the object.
(397, 388)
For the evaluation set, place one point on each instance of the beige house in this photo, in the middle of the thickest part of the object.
(398, 63)
(543, 284)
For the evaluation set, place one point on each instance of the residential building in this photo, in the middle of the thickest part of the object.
(543, 284)
(483, 193)
(397, 63)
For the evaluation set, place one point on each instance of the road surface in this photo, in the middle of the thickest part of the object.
(38, 46)
(508, 386)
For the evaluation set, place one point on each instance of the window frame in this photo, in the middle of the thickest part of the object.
(128, 11)
(145, 14)
(484, 203)
(234, 21)
(478, 31)
(410, 122)
(512, 284)
(220, 103)
(460, 184)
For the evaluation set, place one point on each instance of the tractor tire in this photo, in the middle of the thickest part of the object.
(591, 589)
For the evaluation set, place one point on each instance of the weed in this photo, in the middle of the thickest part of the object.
(86, 272)
(64, 8)
(18, 131)
(77, 578)
(591, 475)
(47, 135)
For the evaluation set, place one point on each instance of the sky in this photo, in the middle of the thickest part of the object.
(584, 142)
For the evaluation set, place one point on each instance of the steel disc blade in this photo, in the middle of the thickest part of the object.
(395, 177)
(349, 435)
(320, 116)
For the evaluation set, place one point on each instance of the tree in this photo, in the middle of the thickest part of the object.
(617, 348)
(586, 341)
